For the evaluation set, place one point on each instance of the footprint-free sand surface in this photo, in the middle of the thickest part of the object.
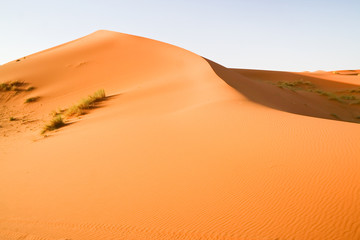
(182, 148)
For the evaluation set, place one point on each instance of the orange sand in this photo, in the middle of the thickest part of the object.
(182, 149)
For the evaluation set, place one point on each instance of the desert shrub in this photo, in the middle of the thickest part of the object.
(99, 95)
(86, 103)
(30, 89)
(57, 112)
(296, 85)
(10, 86)
(329, 95)
(16, 83)
(356, 102)
(31, 99)
(335, 116)
(347, 97)
(5, 87)
(75, 110)
(55, 123)
(355, 90)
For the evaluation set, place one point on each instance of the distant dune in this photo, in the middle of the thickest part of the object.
(180, 148)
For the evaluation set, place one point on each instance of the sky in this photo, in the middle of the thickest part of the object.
(289, 35)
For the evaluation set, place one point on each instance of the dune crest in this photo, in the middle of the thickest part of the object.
(183, 149)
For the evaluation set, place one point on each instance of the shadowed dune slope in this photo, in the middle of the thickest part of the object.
(184, 149)
(263, 87)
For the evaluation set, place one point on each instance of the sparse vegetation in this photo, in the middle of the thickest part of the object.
(12, 119)
(348, 97)
(330, 95)
(335, 116)
(296, 85)
(355, 90)
(16, 86)
(86, 103)
(30, 89)
(55, 113)
(75, 110)
(55, 123)
(345, 97)
(11, 86)
(356, 102)
(31, 99)
(60, 115)
(99, 95)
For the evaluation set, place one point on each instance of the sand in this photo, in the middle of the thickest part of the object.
(182, 148)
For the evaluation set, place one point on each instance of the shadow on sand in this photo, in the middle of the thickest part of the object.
(254, 85)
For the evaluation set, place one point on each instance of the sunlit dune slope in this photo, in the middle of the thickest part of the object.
(114, 61)
(182, 148)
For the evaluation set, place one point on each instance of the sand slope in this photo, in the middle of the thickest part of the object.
(175, 152)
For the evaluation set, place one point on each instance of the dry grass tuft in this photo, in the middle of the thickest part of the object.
(30, 89)
(296, 85)
(55, 123)
(75, 110)
(86, 103)
(348, 98)
(11, 86)
(335, 116)
(31, 99)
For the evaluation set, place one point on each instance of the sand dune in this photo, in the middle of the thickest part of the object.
(301, 101)
(182, 149)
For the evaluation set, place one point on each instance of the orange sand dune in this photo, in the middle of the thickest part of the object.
(300, 102)
(182, 149)
(347, 72)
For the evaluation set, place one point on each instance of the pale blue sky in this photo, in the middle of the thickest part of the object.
(296, 35)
